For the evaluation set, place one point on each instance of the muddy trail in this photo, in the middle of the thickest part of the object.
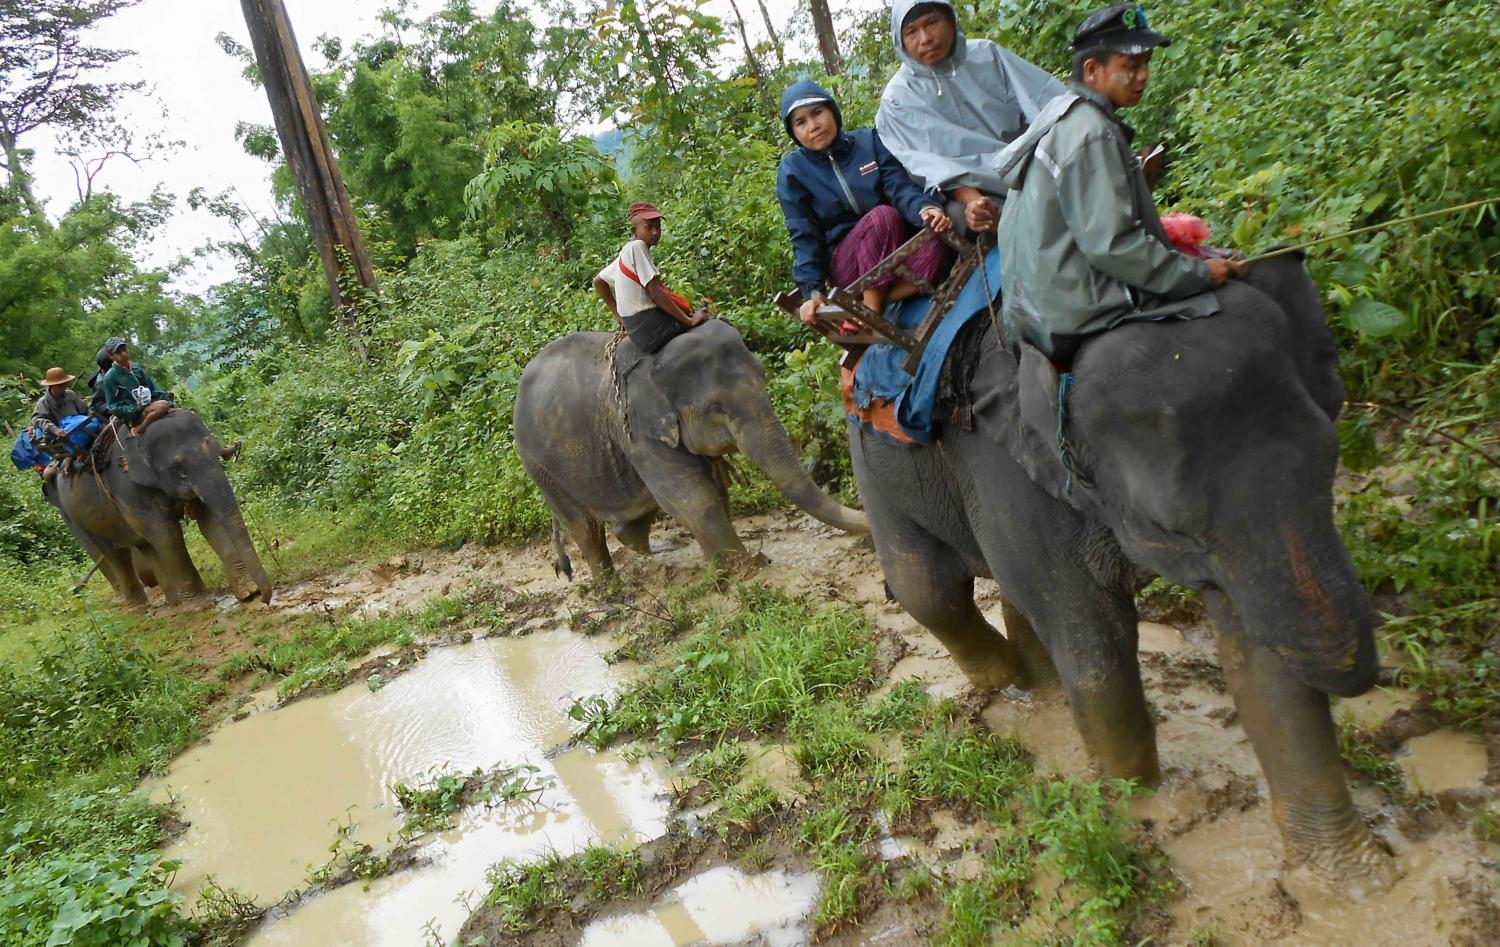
(294, 804)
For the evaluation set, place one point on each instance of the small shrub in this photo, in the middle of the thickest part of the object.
(101, 901)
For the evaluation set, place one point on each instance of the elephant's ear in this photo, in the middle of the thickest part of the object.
(1038, 384)
(647, 410)
(138, 465)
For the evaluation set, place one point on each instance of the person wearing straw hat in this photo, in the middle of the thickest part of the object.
(59, 402)
(1081, 244)
(631, 286)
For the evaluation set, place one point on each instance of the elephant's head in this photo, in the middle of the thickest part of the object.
(706, 393)
(1209, 448)
(182, 459)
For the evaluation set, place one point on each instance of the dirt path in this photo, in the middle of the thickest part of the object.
(1210, 816)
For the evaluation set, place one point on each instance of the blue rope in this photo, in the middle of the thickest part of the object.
(1064, 384)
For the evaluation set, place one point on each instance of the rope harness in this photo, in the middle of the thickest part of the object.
(101, 454)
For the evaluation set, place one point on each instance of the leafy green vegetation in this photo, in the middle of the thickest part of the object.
(743, 674)
(428, 805)
(520, 893)
(76, 848)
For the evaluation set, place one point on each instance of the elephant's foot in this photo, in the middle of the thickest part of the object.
(738, 562)
(1338, 849)
(992, 669)
(186, 602)
(1117, 730)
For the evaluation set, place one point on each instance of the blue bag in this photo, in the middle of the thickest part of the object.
(78, 433)
(25, 454)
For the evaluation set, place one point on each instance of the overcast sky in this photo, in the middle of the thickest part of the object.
(198, 95)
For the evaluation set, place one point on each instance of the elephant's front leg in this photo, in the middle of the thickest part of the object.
(1292, 730)
(1094, 647)
(177, 575)
(685, 486)
(935, 589)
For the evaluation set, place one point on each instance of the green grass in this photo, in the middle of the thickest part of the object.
(975, 908)
(429, 804)
(1361, 751)
(901, 709)
(520, 893)
(1084, 834)
(749, 672)
(720, 766)
(960, 764)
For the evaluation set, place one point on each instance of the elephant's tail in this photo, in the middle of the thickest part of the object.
(562, 565)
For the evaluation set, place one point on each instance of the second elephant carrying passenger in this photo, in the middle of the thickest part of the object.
(613, 441)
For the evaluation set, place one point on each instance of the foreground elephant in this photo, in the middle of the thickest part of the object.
(128, 516)
(600, 459)
(1201, 451)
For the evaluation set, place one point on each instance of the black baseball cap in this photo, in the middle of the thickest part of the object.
(1119, 28)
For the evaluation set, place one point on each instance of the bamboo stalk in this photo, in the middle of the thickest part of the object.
(1283, 251)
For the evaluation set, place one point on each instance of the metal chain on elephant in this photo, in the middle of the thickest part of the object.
(614, 374)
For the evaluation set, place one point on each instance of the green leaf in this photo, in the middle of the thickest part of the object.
(1375, 319)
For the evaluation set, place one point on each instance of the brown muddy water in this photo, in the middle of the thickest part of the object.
(720, 906)
(265, 796)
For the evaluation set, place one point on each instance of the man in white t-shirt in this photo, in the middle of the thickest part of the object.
(631, 287)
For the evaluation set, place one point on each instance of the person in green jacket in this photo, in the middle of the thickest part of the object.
(1082, 247)
(129, 393)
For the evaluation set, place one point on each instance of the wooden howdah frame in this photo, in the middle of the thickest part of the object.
(846, 303)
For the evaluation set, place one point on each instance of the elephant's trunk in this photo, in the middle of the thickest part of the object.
(765, 442)
(224, 527)
(1298, 595)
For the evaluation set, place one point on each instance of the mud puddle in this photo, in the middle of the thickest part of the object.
(720, 906)
(1444, 760)
(266, 796)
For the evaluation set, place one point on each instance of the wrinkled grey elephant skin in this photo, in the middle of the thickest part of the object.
(603, 459)
(1202, 451)
(128, 517)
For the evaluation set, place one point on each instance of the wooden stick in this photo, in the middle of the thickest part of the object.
(1283, 251)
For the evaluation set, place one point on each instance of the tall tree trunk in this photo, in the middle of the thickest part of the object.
(750, 58)
(765, 15)
(310, 158)
(762, 88)
(828, 41)
(20, 179)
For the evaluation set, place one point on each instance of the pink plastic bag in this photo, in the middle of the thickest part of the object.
(1187, 233)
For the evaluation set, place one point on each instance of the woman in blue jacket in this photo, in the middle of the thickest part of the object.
(848, 204)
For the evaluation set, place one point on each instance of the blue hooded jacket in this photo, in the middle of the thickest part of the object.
(823, 194)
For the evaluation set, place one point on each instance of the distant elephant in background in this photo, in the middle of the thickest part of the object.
(1202, 451)
(602, 458)
(128, 515)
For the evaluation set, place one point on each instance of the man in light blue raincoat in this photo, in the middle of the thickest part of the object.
(953, 106)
